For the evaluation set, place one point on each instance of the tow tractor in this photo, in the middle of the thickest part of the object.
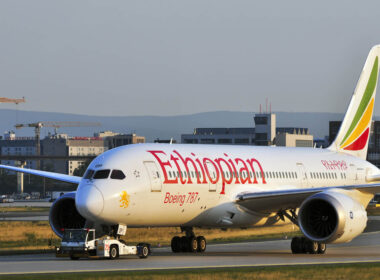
(81, 243)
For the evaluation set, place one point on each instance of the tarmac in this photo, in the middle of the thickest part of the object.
(363, 249)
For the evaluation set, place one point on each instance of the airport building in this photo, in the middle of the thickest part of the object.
(74, 146)
(83, 146)
(225, 136)
(293, 137)
(63, 145)
(265, 133)
(265, 129)
(122, 139)
(12, 145)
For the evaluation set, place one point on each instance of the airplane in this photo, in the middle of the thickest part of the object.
(325, 192)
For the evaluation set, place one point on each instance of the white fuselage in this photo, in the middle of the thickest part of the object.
(161, 187)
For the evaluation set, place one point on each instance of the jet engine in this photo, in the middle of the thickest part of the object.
(63, 214)
(331, 217)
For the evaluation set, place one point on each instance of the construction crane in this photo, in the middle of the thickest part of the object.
(12, 100)
(38, 125)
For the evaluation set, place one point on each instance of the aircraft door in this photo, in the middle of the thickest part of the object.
(212, 171)
(360, 175)
(154, 176)
(352, 174)
(302, 175)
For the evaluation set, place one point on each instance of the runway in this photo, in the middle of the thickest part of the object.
(365, 248)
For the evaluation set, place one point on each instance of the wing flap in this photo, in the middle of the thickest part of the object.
(275, 201)
(46, 174)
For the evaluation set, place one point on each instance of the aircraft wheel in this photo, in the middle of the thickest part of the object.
(114, 252)
(296, 245)
(176, 244)
(322, 248)
(201, 244)
(311, 247)
(184, 244)
(74, 258)
(193, 244)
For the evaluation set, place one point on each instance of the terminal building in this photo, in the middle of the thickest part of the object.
(293, 137)
(12, 145)
(122, 139)
(226, 136)
(265, 133)
(63, 145)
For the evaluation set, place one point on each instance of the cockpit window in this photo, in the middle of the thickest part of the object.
(102, 174)
(117, 174)
(89, 174)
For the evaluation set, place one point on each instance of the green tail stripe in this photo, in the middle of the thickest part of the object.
(365, 100)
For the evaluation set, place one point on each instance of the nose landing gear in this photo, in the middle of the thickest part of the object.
(189, 243)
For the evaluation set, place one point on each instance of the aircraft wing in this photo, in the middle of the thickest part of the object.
(274, 201)
(50, 175)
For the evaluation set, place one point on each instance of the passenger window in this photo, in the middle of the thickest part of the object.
(119, 175)
(102, 174)
(89, 174)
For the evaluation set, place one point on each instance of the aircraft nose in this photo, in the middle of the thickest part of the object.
(89, 201)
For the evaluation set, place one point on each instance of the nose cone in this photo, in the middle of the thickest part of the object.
(89, 202)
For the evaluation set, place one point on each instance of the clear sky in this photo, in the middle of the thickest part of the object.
(182, 57)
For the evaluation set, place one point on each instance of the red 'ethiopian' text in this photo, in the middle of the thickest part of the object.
(212, 170)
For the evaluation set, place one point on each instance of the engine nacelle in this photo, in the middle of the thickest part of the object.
(63, 214)
(331, 217)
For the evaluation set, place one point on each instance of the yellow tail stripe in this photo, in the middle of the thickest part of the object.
(362, 125)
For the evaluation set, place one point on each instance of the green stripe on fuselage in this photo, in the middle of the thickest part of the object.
(365, 100)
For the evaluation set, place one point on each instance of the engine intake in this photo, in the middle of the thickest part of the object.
(63, 214)
(331, 217)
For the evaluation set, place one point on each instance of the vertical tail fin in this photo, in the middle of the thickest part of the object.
(353, 135)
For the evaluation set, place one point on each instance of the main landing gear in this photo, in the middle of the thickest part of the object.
(189, 243)
(302, 245)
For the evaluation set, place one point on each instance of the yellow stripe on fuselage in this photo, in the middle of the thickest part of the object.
(362, 125)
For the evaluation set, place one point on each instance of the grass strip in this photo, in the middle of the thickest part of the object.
(331, 271)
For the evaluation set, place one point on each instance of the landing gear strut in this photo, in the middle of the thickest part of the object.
(189, 242)
(302, 245)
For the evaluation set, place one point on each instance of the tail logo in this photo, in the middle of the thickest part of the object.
(357, 135)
